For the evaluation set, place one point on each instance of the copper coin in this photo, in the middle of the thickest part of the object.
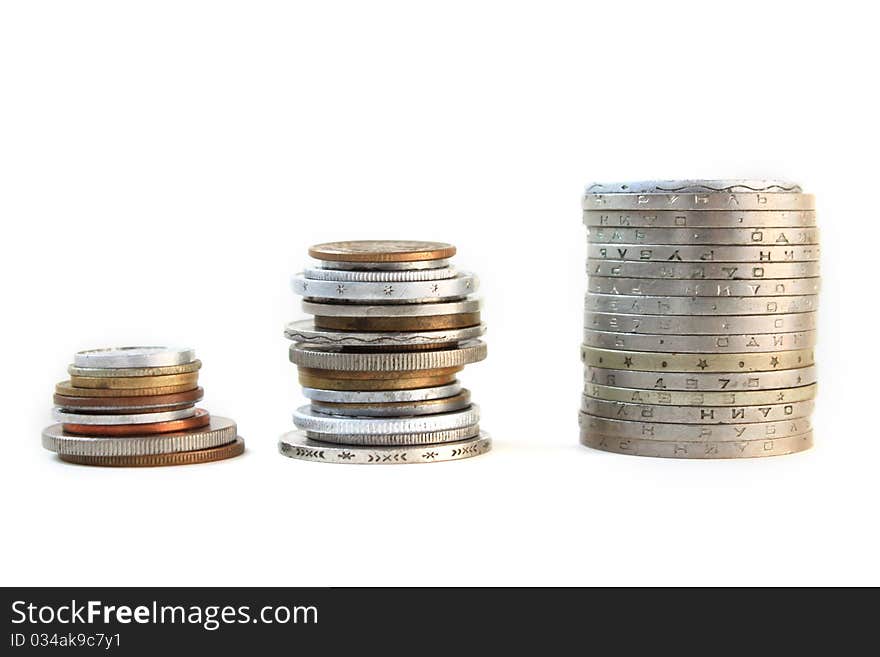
(68, 390)
(200, 419)
(380, 324)
(135, 382)
(228, 451)
(381, 251)
(121, 404)
(311, 381)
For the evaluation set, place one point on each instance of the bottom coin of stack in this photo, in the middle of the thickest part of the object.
(135, 406)
(394, 324)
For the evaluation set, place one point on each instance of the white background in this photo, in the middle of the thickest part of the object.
(164, 166)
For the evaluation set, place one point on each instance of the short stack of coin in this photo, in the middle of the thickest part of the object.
(393, 325)
(700, 318)
(135, 406)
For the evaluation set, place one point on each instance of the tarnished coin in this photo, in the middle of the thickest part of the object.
(134, 357)
(220, 453)
(731, 381)
(684, 253)
(696, 271)
(700, 218)
(696, 186)
(684, 288)
(139, 404)
(398, 324)
(458, 287)
(381, 251)
(700, 324)
(665, 305)
(66, 389)
(329, 358)
(107, 419)
(392, 310)
(306, 419)
(694, 432)
(784, 236)
(383, 396)
(296, 445)
(220, 431)
(430, 378)
(696, 414)
(378, 276)
(700, 449)
(700, 398)
(413, 265)
(116, 372)
(701, 344)
(136, 382)
(395, 409)
(662, 362)
(700, 201)
(305, 331)
(201, 418)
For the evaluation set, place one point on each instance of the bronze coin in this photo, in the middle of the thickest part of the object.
(387, 324)
(200, 419)
(134, 404)
(381, 251)
(228, 451)
(190, 379)
(66, 389)
(311, 381)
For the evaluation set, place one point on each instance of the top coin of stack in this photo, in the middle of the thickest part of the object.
(393, 324)
(135, 406)
(700, 318)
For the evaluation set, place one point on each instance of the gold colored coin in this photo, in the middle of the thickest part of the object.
(410, 383)
(389, 324)
(65, 388)
(650, 361)
(228, 451)
(116, 372)
(381, 251)
(135, 382)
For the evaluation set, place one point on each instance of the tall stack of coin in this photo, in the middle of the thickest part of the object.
(135, 406)
(700, 319)
(394, 323)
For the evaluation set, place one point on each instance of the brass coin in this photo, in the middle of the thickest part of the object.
(228, 451)
(135, 382)
(66, 389)
(180, 399)
(115, 372)
(312, 381)
(381, 324)
(381, 251)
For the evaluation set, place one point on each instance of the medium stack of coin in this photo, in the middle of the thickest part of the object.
(394, 323)
(135, 406)
(700, 318)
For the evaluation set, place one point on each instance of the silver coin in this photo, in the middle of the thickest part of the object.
(700, 344)
(400, 439)
(395, 409)
(676, 253)
(699, 218)
(328, 358)
(700, 201)
(297, 445)
(695, 186)
(391, 310)
(108, 419)
(458, 287)
(696, 414)
(376, 276)
(785, 236)
(146, 408)
(221, 431)
(664, 305)
(305, 331)
(698, 381)
(700, 398)
(702, 270)
(700, 324)
(786, 287)
(307, 420)
(133, 357)
(383, 266)
(382, 396)
(694, 432)
(700, 449)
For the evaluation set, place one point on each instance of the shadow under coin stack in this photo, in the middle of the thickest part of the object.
(135, 406)
(393, 325)
(700, 319)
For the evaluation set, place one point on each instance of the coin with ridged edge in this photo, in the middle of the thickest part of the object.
(378, 276)
(64, 388)
(129, 404)
(296, 444)
(306, 419)
(381, 251)
(220, 453)
(117, 372)
(407, 361)
(391, 439)
(135, 382)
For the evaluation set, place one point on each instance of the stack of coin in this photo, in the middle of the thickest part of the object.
(700, 319)
(393, 325)
(135, 406)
